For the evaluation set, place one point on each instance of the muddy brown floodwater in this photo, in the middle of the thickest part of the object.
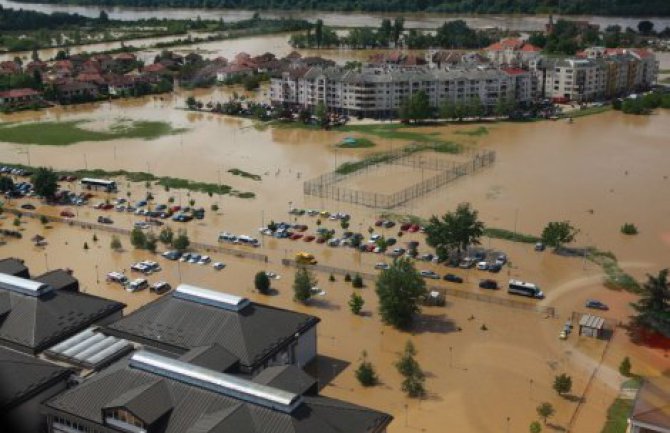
(599, 173)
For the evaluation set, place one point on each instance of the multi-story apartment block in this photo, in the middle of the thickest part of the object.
(512, 52)
(595, 73)
(379, 91)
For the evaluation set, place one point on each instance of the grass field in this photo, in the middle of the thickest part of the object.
(477, 132)
(70, 132)
(359, 143)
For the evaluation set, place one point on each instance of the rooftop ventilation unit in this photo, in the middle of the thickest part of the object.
(210, 297)
(23, 286)
(89, 349)
(220, 383)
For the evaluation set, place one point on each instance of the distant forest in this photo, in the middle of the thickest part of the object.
(596, 7)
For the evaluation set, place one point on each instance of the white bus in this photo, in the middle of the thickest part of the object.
(90, 183)
(522, 288)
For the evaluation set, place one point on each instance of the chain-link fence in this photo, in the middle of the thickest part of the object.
(326, 185)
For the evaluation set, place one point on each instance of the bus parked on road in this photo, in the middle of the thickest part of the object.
(523, 288)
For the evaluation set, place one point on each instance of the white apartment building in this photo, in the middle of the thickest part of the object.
(379, 91)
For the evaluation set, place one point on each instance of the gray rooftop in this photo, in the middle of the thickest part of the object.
(180, 325)
(383, 74)
(22, 376)
(193, 409)
(15, 267)
(34, 323)
(591, 321)
(59, 279)
(287, 377)
(213, 356)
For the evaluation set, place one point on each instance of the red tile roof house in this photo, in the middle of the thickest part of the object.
(511, 51)
(228, 72)
(76, 89)
(9, 67)
(19, 98)
(120, 84)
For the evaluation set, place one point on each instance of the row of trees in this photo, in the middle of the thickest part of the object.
(417, 108)
(452, 34)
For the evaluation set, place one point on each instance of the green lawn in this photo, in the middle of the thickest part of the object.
(70, 132)
(617, 416)
(392, 131)
(477, 132)
(359, 143)
(588, 111)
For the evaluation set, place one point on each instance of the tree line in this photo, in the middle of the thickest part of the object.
(451, 34)
(568, 7)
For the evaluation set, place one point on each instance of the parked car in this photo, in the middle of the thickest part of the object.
(137, 285)
(295, 236)
(67, 214)
(539, 246)
(453, 278)
(414, 228)
(185, 257)
(218, 265)
(404, 227)
(28, 206)
(426, 257)
(596, 305)
(140, 267)
(335, 242)
(388, 224)
(466, 263)
(117, 277)
(495, 267)
(563, 335)
(195, 258)
(382, 265)
(488, 284)
(142, 225)
(204, 260)
(397, 252)
(430, 274)
(160, 287)
(105, 220)
(308, 238)
(172, 255)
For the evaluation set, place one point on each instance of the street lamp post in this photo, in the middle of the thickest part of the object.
(46, 261)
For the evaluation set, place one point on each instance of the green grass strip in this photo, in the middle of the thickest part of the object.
(617, 416)
(70, 132)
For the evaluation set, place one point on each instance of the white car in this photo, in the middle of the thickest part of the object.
(334, 242)
(375, 237)
(153, 266)
(137, 285)
(482, 266)
(140, 267)
(272, 275)
(117, 277)
(204, 260)
(218, 265)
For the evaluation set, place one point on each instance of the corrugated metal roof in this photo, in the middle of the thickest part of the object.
(590, 321)
(286, 377)
(89, 349)
(148, 402)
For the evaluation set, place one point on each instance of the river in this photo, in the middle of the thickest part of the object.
(339, 19)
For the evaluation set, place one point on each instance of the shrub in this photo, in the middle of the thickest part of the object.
(115, 244)
(44, 220)
(262, 282)
(95, 238)
(356, 303)
(629, 229)
(137, 238)
(365, 373)
(85, 245)
(625, 366)
(347, 278)
(215, 207)
(562, 384)
(357, 282)
(17, 222)
(331, 278)
(302, 285)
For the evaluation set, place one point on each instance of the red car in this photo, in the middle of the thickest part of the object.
(414, 228)
(379, 223)
(295, 236)
(107, 206)
(300, 227)
(309, 238)
(175, 208)
(320, 240)
(370, 248)
(405, 227)
(67, 214)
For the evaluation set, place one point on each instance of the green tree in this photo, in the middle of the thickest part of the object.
(137, 238)
(151, 243)
(365, 373)
(625, 366)
(166, 235)
(45, 182)
(103, 17)
(398, 28)
(115, 244)
(262, 282)
(653, 306)
(318, 32)
(454, 231)
(6, 184)
(645, 27)
(191, 102)
(415, 108)
(400, 289)
(302, 285)
(448, 110)
(357, 282)
(356, 303)
(562, 384)
(181, 242)
(408, 367)
(535, 427)
(321, 113)
(557, 233)
(545, 411)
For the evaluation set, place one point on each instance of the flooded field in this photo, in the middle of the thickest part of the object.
(600, 172)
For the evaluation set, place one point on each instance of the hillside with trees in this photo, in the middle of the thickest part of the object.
(570, 7)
